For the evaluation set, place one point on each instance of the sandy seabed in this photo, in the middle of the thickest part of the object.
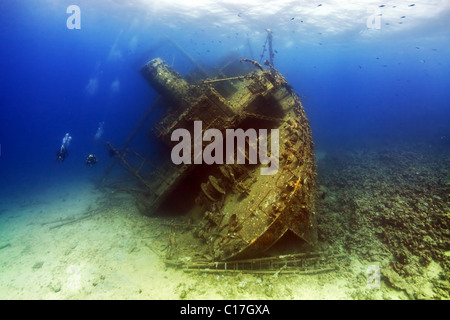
(111, 255)
(112, 251)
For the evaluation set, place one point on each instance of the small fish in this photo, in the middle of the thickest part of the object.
(301, 21)
(412, 5)
(292, 19)
(403, 17)
(417, 48)
(382, 6)
(276, 51)
(319, 5)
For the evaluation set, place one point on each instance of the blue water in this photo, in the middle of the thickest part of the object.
(360, 87)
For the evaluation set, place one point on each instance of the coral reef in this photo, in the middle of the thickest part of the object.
(391, 206)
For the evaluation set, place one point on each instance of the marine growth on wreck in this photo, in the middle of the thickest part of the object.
(239, 204)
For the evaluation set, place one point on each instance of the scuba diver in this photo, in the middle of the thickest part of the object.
(62, 154)
(91, 160)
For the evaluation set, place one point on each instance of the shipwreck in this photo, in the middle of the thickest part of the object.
(238, 212)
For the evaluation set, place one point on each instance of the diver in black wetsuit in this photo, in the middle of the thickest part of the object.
(62, 154)
(91, 160)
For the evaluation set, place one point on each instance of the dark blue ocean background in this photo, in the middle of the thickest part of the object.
(360, 88)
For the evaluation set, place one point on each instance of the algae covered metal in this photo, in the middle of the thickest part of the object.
(237, 210)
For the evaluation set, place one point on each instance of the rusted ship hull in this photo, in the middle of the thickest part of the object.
(238, 212)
